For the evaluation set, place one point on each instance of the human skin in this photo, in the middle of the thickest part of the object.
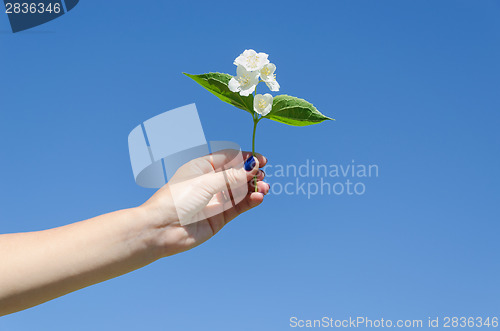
(39, 266)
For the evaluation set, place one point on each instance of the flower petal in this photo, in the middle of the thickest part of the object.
(273, 85)
(234, 85)
(266, 110)
(254, 78)
(240, 70)
(272, 67)
(246, 91)
(268, 98)
(249, 52)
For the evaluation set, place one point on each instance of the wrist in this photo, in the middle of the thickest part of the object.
(146, 232)
(156, 220)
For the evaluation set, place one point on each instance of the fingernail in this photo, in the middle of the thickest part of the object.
(250, 163)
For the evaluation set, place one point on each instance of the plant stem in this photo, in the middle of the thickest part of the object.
(255, 121)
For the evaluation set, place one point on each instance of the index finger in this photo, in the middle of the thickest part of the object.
(222, 158)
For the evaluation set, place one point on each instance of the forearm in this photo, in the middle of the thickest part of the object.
(39, 266)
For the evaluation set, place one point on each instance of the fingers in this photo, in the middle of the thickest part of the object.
(262, 187)
(261, 175)
(230, 174)
(221, 158)
(233, 177)
(254, 171)
(224, 157)
(262, 159)
(252, 200)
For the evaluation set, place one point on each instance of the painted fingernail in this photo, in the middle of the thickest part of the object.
(250, 163)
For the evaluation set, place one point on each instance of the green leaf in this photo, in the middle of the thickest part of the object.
(294, 111)
(216, 83)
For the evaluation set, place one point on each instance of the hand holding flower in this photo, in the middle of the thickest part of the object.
(240, 91)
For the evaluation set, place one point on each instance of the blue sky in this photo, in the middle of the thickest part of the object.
(413, 86)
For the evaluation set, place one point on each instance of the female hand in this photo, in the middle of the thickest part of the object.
(43, 265)
(199, 192)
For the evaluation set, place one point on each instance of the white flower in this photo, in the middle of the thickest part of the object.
(251, 60)
(263, 104)
(268, 76)
(244, 82)
(267, 72)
